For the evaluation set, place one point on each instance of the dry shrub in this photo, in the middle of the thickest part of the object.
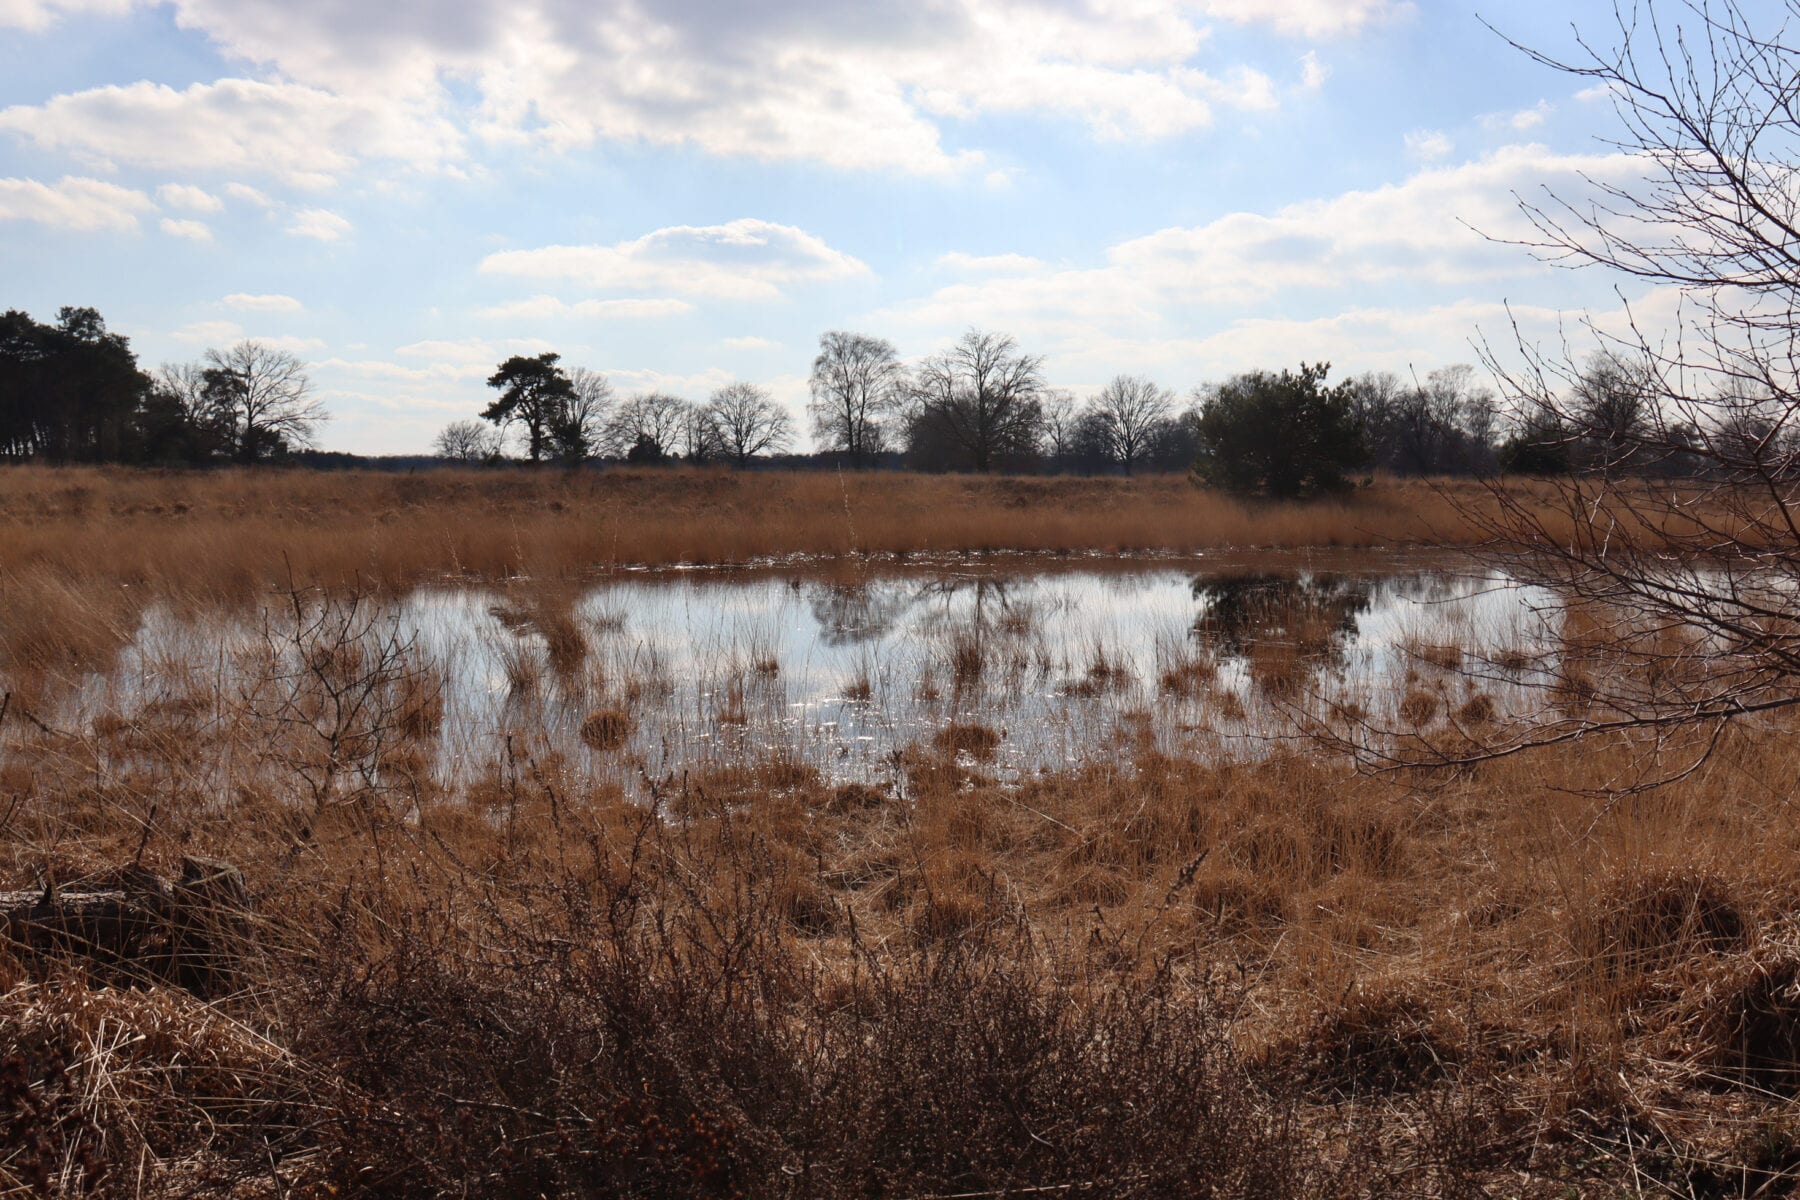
(1419, 708)
(968, 661)
(1230, 707)
(729, 708)
(1087, 886)
(1234, 899)
(1188, 678)
(420, 702)
(565, 642)
(1517, 661)
(643, 1039)
(854, 797)
(1279, 669)
(944, 914)
(1574, 690)
(1363, 839)
(606, 729)
(1643, 920)
(124, 1091)
(1271, 846)
(1379, 1040)
(977, 741)
(1104, 675)
(1478, 709)
(228, 532)
(1442, 656)
(1749, 1021)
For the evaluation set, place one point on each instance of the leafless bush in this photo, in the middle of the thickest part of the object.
(336, 685)
(653, 1032)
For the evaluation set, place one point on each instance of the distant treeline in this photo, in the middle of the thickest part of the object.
(73, 392)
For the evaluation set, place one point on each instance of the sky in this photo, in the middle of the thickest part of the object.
(683, 193)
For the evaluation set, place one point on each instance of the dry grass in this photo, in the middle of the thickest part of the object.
(1487, 976)
(234, 533)
(1149, 976)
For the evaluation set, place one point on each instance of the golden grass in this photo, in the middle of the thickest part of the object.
(232, 533)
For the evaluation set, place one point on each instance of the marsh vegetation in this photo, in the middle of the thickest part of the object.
(952, 874)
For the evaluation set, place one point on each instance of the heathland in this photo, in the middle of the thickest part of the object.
(514, 959)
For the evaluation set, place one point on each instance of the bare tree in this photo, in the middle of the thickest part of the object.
(1679, 600)
(1444, 425)
(981, 397)
(857, 383)
(746, 422)
(1129, 410)
(191, 417)
(652, 424)
(468, 442)
(579, 428)
(700, 437)
(263, 397)
(1612, 401)
(1058, 417)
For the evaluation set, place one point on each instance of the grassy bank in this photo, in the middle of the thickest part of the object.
(229, 530)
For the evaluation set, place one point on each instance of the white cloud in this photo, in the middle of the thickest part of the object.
(292, 344)
(548, 308)
(35, 16)
(1523, 121)
(1429, 145)
(990, 264)
(1313, 73)
(752, 343)
(746, 259)
(220, 334)
(195, 199)
(861, 86)
(192, 231)
(319, 224)
(697, 385)
(210, 333)
(81, 205)
(270, 303)
(248, 194)
(305, 136)
(1419, 233)
(463, 351)
(1309, 18)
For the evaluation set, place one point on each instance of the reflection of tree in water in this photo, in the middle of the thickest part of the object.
(851, 614)
(1280, 622)
(982, 626)
(989, 595)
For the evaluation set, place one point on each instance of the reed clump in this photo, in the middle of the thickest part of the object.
(606, 729)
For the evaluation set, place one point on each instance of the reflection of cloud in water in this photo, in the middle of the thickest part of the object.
(842, 674)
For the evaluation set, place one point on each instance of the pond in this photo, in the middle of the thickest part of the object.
(1034, 664)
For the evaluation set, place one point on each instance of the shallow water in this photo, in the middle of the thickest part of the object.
(1065, 662)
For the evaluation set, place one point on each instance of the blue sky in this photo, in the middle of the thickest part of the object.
(682, 193)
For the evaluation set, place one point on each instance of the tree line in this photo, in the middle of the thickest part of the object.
(984, 405)
(72, 391)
